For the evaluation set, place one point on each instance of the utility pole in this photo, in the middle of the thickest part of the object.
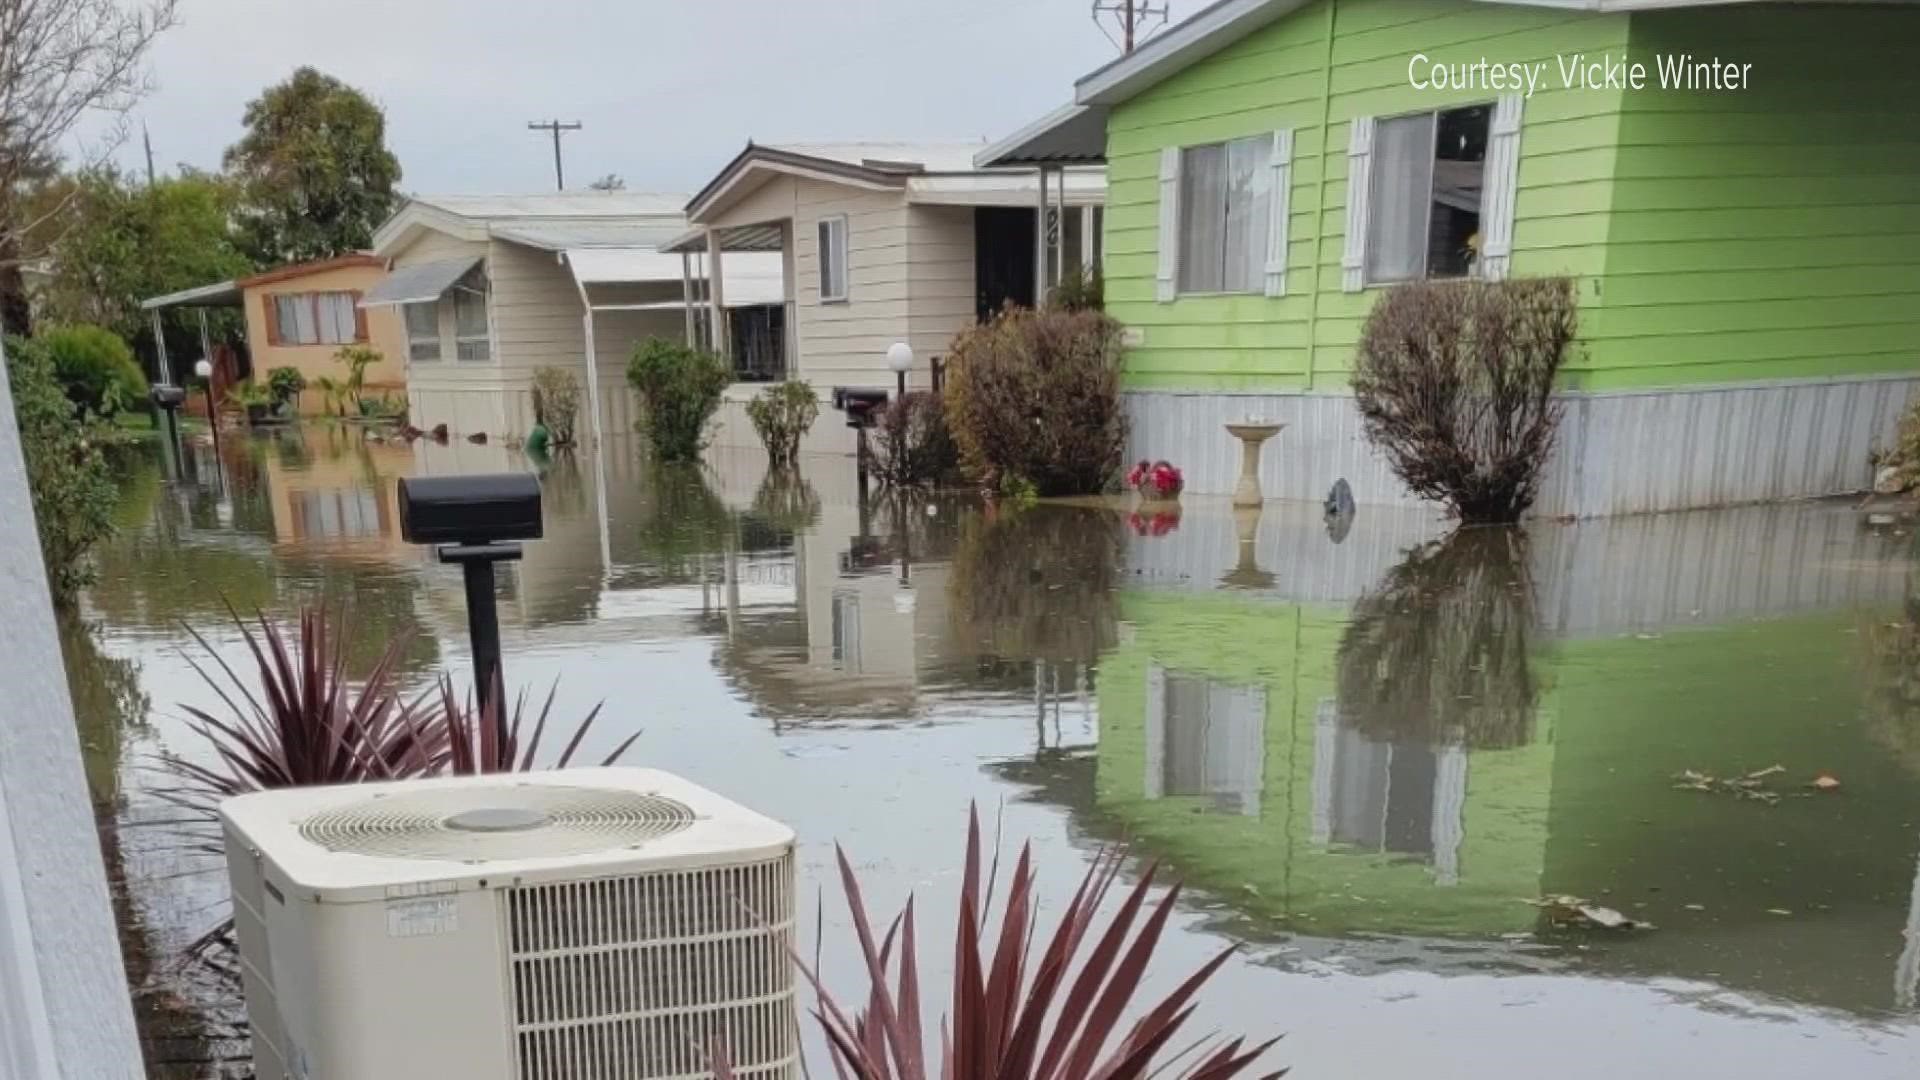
(556, 127)
(1137, 19)
(147, 139)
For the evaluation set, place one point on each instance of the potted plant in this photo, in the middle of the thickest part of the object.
(1156, 482)
(285, 385)
(254, 400)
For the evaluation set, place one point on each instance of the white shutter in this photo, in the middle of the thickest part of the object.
(1281, 202)
(1502, 187)
(1167, 279)
(1353, 264)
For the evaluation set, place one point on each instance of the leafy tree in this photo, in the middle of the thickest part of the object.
(315, 173)
(60, 60)
(125, 242)
(95, 368)
(73, 493)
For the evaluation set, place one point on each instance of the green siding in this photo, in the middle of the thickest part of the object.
(1774, 232)
(1717, 237)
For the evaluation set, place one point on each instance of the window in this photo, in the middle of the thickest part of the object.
(423, 330)
(833, 259)
(1226, 199)
(315, 318)
(757, 335)
(470, 338)
(1428, 184)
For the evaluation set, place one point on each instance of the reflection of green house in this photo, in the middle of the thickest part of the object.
(1224, 752)
(1221, 751)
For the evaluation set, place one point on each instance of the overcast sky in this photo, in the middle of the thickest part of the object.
(668, 91)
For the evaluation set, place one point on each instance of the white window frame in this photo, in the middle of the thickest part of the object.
(832, 234)
(1498, 193)
(484, 296)
(1270, 279)
(432, 307)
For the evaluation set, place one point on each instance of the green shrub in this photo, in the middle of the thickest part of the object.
(285, 384)
(1080, 289)
(358, 359)
(1033, 399)
(556, 403)
(914, 446)
(781, 415)
(679, 390)
(73, 493)
(95, 367)
(1455, 386)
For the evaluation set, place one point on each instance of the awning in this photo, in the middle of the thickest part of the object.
(419, 284)
(748, 279)
(219, 294)
(1073, 135)
(761, 237)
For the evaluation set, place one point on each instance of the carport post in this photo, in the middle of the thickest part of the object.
(160, 348)
(716, 294)
(687, 298)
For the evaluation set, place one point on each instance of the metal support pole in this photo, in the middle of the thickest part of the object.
(160, 348)
(939, 375)
(1040, 244)
(717, 293)
(483, 612)
(687, 297)
(213, 419)
(1058, 234)
(900, 386)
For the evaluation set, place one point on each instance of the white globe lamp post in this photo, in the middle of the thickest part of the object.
(900, 359)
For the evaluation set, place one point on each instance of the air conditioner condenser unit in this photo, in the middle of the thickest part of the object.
(608, 923)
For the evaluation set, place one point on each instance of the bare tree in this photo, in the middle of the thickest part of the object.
(609, 182)
(59, 61)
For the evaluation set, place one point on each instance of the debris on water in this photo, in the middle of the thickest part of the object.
(1565, 910)
(1695, 907)
(1778, 911)
(1754, 785)
(1825, 781)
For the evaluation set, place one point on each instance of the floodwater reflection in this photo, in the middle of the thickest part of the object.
(1363, 753)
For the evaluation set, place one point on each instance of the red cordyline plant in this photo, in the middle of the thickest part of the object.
(487, 738)
(1012, 1018)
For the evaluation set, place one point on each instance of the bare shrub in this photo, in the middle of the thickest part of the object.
(915, 446)
(1455, 384)
(1034, 400)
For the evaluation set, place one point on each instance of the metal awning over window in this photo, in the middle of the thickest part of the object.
(419, 284)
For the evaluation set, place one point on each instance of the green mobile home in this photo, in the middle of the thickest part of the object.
(1735, 186)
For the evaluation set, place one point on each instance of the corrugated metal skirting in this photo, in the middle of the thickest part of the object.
(1618, 453)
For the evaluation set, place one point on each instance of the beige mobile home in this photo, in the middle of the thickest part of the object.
(877, 242)
(494, 288)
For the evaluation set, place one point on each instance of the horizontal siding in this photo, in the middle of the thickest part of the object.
(1279, 77)
(845, 343)
(941, 282)
(1771, 233)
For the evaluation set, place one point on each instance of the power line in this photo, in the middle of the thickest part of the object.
(556, 127)
(1137, 20)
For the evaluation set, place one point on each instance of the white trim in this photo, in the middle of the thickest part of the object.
(26, 1033)
(1500, 188)
(1353, 263)
(1167, 276)
(715, 201)
(845, 246)
(1279, 204)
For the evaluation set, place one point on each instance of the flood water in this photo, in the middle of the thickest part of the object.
(1365, 749)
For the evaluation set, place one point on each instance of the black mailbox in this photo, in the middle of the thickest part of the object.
(862, 405)
(485, 509)
(168, 396)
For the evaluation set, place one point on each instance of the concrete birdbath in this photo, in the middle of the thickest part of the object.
(1251, 433)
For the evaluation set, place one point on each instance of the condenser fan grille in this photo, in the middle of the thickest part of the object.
(639, 977)
(509, 821)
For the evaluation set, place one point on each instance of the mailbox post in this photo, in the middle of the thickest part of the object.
(474, 522)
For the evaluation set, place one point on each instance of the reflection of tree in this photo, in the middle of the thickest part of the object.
(107, 702)
(1438, 652)
(786, 502)
(681, 521)
(1038, 584)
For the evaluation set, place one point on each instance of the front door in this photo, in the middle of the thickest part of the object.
(1003, 257)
